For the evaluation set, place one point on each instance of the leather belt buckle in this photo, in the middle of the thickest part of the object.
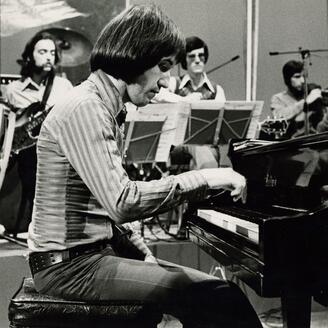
(58, 257)
(39, 261)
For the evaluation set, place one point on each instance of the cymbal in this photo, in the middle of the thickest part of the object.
(75, 47)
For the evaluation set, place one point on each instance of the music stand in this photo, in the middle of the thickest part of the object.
(215, 123)
(142, 135)
(204, 122)
(150, 133)
(143, 127)
(240, 120)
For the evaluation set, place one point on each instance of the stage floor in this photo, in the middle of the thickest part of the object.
(13, 267)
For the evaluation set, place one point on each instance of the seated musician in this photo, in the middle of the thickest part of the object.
(193, 86)
(323, 124)
(82, 141)
(291, 105)
(39, 58)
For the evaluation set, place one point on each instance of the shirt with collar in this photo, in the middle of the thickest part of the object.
(22, 93)
(186, 79)
(186, 85)
(80, 167)
(179, 88)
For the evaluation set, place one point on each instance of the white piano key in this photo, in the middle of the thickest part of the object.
(245, 228)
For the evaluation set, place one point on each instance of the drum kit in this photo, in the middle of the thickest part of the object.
(75, 47)
(75, 53)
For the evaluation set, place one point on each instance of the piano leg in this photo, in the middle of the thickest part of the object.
(296, 311)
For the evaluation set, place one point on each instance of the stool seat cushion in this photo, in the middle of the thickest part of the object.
(28, 309)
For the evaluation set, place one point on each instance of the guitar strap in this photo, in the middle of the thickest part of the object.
(48, 88)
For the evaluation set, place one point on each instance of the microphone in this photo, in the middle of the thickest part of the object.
(234, 58)
(273, 53)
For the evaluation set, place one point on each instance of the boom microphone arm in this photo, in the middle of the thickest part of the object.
(223, 64)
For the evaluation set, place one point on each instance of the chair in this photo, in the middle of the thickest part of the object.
(29, 309)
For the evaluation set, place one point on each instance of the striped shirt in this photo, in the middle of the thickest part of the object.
(80, 168)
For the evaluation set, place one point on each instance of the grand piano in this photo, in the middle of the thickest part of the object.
(277, 243)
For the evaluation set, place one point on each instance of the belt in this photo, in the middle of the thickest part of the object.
(39, 261)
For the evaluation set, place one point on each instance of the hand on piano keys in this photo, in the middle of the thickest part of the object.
(228, 179)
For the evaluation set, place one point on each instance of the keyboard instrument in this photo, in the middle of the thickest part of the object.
(277, 243)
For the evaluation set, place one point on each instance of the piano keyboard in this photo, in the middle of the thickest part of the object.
(244, 228)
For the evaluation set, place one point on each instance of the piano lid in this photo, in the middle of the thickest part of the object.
(289, 173)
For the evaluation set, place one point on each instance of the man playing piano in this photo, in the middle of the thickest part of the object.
(80, 166)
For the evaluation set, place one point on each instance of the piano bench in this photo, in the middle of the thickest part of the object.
(29, 309)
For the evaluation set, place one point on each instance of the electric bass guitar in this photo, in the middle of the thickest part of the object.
(27, 125)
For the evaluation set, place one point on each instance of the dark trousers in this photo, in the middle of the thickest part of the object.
(195, 298)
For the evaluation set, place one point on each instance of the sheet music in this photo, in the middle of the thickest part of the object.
(174, 127)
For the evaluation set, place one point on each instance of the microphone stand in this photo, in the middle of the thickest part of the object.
(305, 54)
(223, 64)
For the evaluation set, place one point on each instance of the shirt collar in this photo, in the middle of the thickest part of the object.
(111, 90)
(204, 81)
(28, 82)
(118, 84)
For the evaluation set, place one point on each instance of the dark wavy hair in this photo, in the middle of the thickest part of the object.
(192, 43)
(27, 61)
(290, 68)
(135, 41)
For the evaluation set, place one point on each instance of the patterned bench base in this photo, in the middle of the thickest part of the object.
(29, 309)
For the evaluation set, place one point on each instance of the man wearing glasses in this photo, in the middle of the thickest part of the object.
(194, 85)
